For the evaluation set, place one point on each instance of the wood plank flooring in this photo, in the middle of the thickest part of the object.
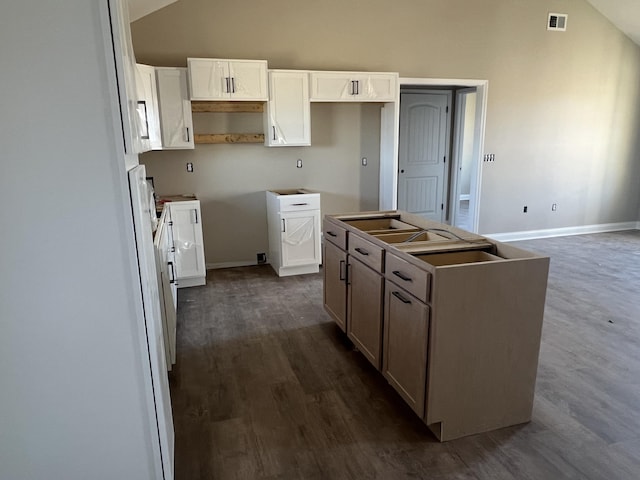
(267, 387)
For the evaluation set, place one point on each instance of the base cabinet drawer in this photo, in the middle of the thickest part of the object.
(413, 279)
(406, 330)
(334, 234)
(367, 252)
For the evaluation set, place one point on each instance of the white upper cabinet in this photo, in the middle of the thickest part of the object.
(148, 114)
(287, 116)
(176, 122)
(220, 79)
(126, 74)
(353, 87)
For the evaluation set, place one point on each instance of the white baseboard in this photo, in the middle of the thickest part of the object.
(562, 232)
(246, 263)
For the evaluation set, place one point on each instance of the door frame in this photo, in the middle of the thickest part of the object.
(390, 133)
(456, 160)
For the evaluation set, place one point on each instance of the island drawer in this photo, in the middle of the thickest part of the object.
(365, 251)
(335, 234)
(411, 278)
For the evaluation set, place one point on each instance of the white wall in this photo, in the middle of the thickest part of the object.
(230, 180)
(72, 404)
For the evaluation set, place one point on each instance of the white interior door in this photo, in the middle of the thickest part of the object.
(423, 152)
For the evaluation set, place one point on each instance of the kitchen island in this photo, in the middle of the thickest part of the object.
(452, 319)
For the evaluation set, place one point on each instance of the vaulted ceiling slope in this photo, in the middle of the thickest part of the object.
(140, 8)
(624, 14)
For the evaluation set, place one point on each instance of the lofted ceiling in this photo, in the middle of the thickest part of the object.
(624, 14)
(140, 8)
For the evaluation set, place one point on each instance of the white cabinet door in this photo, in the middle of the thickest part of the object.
(379, 87)
(188, 241)
(288, 116)
(248, 80)
(353, 87)
(176, 122)
(208, 79)
(126, 73)
(159, 241)
(148, 115)
(300, 238)
(213, 79)
(169, 280)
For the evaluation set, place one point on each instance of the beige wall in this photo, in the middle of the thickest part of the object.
(563, 108)
(230, 180)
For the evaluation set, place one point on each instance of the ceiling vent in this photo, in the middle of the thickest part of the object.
(557, 22)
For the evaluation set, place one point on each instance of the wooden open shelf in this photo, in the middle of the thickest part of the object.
(227, 107)
(218, 138)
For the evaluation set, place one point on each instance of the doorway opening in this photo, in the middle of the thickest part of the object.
(460, 191)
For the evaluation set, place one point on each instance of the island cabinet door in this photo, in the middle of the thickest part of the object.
(406, 328)
(335, 283)
(364, 320)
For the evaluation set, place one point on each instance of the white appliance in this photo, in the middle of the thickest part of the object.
(293, 220)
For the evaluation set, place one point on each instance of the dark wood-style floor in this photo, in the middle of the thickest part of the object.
(266, 387)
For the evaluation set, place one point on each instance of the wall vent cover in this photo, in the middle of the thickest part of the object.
(557, 22)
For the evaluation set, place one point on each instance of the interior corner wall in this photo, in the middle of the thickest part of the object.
(563, 108)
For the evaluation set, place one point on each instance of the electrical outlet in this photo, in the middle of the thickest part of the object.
(524, 209)
(299, 163)
(261, 258)
(190, 167)
(554, 207)
(364, 161)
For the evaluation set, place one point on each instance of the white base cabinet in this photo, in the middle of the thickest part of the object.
(167, 283)
(293, 218)
(179, 253)
(189, 245)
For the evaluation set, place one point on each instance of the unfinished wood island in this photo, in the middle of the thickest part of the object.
(452, 319)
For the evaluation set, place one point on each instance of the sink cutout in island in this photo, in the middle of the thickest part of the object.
(406, 237)
(375, 226)
(457, 258)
